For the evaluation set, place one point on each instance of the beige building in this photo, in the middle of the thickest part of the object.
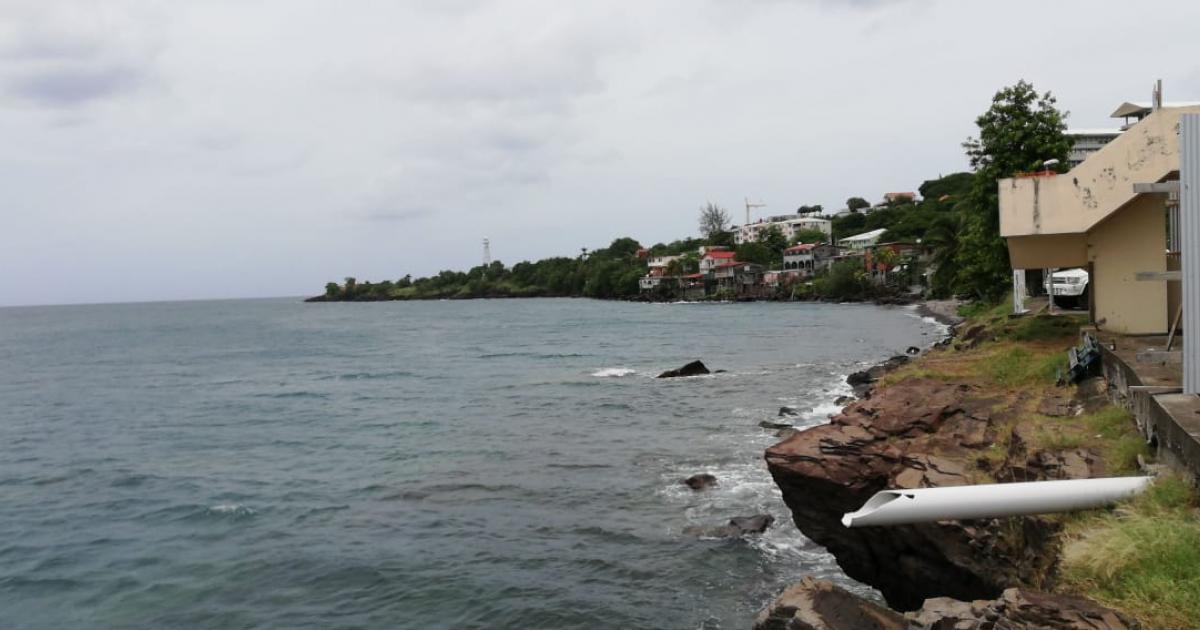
(1091, 217)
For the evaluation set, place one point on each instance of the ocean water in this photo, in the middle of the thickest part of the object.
(499, 463)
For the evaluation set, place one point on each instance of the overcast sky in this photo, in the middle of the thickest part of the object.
(171, 150)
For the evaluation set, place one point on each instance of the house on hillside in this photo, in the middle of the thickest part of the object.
(883, 260)
(893, 197)
(1112, 215)
(860, 242)
(808, 259)
(741, 280)
(789, 225)
(713, 258)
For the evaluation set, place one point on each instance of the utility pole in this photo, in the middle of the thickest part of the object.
(752, 205)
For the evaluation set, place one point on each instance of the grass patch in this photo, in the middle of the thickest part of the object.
(1009, 365)
(1042, 327)
(1121, 443)
(1142, 558)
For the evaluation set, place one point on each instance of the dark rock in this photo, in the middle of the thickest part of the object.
(719, 371)
(861, 377)
(912, 351)
(701, 481)
(695, 368)
(766, 424)
(919, 433)
(843, 400)
(788, 411)
(756, 524)
(861, 381)
(738, 527)
(819, 605)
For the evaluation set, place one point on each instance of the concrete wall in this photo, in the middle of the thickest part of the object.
(1088, 194)
(1131, 240)
(1049, 250)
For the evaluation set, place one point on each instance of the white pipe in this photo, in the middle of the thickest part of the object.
(922, 505)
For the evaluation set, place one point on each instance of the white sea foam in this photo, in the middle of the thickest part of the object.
(232, 509)
(614, 372)
(824, 410)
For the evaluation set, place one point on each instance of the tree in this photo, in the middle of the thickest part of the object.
(954, 185)
(773, 238)
(809, 235)
(1018, 133)
(756, 252)
(813, 209)
(854, 204)
(713, 221)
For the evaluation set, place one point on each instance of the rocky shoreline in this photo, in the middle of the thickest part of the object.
(926, 432)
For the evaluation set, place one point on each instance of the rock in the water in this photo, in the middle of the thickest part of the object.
(695, 368)
(756, 524)
(862, 377)
(912, 351)
(738, 526)
(819, 605)
(700, 481)
(843, 400)
(788, 411)
(920, 433)
(767, 424)
(861, 381)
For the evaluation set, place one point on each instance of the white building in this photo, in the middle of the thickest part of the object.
(661, 262)
(1085, 142)
(788, 224)
(860, 242)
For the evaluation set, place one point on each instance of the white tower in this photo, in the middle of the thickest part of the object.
(487, 252)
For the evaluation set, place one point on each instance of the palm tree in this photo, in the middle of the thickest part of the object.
(943, 236)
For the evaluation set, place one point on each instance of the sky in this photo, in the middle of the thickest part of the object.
(162, 150)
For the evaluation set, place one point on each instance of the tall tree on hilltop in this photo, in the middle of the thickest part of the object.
(714, 221)
(854, 204)
(1018, 133)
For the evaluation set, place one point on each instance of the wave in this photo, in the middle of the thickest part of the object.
(230, 509)
(614, 372)
(535, 355)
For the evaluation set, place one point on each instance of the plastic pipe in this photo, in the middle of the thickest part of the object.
(922, 505)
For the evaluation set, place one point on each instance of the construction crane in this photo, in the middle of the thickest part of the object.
(749, 205)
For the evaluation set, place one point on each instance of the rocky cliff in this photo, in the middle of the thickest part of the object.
(923, 432)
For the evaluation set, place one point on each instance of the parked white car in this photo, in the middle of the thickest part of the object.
(1071, 284)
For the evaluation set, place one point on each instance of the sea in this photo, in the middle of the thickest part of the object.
(442, 464)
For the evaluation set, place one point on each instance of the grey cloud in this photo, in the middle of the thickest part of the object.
(399, 215)
(70, 86)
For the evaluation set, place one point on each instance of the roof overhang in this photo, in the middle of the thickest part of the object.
(1044, 251)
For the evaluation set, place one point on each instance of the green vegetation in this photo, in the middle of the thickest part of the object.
(1142, 558)
(611, 272)
(854, 204)
(1019, 133)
